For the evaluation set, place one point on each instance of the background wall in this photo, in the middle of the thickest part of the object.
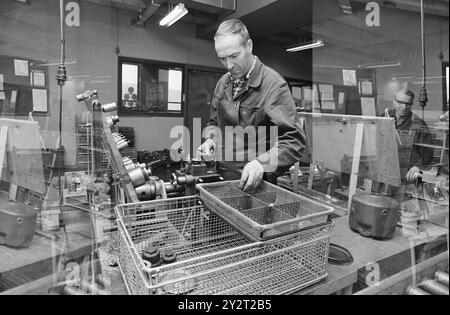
(33, 32)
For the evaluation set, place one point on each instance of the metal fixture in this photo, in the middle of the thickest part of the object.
(174, 15)
(303, 46)
(109, 107)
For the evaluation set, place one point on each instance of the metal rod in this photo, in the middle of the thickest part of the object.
(434, 287)
(422, 22)
(415, 291)
(441, 277)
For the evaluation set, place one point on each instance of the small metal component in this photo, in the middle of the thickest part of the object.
(410, 290)
(434, 287)
(86, 95)
(139, 176)
(109, 107)
(148, 191)
(122, 145)
(441, 277)
(112, 120)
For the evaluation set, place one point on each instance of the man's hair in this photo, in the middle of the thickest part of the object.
(407, 92)
(233, 27)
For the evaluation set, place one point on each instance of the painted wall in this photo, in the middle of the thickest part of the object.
(33, 32)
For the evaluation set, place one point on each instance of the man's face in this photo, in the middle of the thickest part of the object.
(236, 56)
(402, 104)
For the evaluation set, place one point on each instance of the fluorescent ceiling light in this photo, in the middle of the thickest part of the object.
(304, 46)
(177, 13)
(380, 65)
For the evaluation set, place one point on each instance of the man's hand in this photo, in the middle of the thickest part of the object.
(206, 149)
(412, 174)
(251, 176)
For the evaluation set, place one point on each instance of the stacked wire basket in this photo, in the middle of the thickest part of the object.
(278, 253)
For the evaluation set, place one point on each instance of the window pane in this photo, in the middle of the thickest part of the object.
(130, 90)
(174, 107)
(175, 77)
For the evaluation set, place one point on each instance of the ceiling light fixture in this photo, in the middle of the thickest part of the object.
(380, 65)
(177, 13)
(304, 46)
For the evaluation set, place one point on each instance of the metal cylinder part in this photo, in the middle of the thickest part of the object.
(122, 145)
(410, 290)
(112, 120)
(148, 191)
(109, 107)
(441, 277)
(184, 180)
(131, 166)
(433, 287)
(139, 176)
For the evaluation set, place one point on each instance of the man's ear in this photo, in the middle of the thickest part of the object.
(249, 46)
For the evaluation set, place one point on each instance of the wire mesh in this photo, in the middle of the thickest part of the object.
(266, 213)
(212, 257)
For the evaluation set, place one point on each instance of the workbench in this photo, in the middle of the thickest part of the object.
(30, 270)
(392, 256)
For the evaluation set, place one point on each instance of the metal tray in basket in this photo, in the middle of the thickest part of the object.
(268, 212)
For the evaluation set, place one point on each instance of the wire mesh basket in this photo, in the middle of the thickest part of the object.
(268, 212)
(212, 257)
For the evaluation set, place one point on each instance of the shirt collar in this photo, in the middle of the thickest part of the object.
(254, 75)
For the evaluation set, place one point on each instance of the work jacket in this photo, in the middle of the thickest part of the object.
(413, 133)
(264, 101)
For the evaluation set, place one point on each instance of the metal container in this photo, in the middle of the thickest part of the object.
(266, 213)
(374, 215)
(211, 256)
(17, 223)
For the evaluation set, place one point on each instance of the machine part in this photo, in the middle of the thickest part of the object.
(183, 180)
(434, 287)
(168, 256)
(122, 145)
(109, 107)
(112, 120)
(151, 254)
(444, 116)
(410, 290)
(374, 215)
(139, 176)
(131, 166)
(441, 277)
(156, 188)
(17, 223)
(339, 255)
(86, 95)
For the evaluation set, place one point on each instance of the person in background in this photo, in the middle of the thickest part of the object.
(412, 131)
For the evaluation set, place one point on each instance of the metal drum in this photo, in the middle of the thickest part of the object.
(374, 215)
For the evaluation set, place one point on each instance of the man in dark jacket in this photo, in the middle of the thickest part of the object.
(413, 134)
(251, 103)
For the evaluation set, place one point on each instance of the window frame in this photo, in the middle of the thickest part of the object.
(139, 62)
(445, 64)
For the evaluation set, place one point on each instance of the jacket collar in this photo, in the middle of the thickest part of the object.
(253, 81)
(256, 76)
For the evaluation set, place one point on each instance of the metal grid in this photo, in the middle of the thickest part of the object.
(269, 212)
(215, 259)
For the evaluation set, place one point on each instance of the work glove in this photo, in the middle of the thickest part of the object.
(252, 176)
(413, 174)
(206, 150)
